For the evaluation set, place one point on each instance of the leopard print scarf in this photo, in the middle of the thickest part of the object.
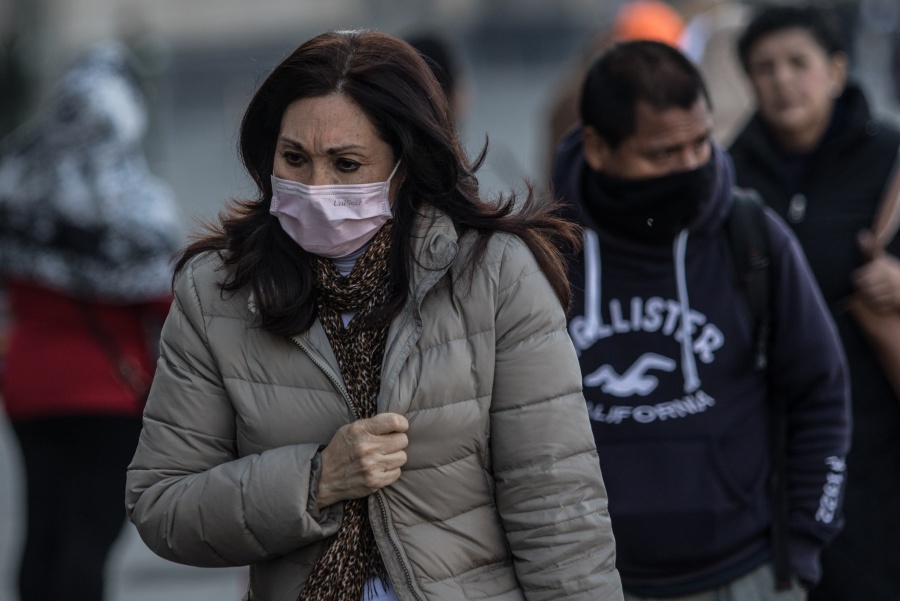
(352, 557)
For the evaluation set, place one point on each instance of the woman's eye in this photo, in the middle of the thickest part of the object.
(347, 165)
(292, 158)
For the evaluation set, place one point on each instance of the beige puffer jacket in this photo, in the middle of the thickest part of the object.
(501, 497)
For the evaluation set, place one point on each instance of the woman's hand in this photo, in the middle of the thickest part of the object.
(878, 281)
(362, 457)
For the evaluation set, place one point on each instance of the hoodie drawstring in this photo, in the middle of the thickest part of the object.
(688, 363)
(592, 279)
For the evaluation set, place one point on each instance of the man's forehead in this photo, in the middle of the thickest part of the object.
(653, 125)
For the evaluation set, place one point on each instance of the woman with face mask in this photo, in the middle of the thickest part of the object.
(817, 156)
(366, 390)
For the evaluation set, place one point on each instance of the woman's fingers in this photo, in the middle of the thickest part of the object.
(365, 444)
(385, 470)
(384, 423)
(393, 461)
(363, 457)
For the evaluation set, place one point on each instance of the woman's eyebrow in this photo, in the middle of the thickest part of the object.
(335, 150)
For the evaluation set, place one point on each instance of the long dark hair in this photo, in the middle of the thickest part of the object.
(394, 86)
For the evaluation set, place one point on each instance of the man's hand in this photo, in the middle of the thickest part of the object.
(362, 457)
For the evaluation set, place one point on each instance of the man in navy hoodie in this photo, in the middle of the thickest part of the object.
(679, 410)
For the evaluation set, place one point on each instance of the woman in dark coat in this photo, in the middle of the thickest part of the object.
(814, 153)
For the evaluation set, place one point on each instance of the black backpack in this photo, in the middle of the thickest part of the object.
(747, 237)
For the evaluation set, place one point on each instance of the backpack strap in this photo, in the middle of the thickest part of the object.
(750, 253)
(748, 242)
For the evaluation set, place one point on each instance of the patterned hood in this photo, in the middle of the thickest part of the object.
(80, 211)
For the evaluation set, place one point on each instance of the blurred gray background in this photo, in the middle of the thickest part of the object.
(204, 58)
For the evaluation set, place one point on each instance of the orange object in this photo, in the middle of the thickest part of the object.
(648, 20)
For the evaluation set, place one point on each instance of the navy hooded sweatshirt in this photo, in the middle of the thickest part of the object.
(678, 411)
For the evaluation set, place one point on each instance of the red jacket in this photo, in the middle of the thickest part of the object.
(55, 366)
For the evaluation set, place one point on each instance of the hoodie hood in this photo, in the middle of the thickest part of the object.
(851, 122)
(851, 126)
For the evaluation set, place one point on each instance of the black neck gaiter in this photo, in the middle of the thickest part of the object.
(651, 210)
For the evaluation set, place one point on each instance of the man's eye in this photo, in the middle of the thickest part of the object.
(762, 69)
(662, 155)
(347, 165)
(799, 62)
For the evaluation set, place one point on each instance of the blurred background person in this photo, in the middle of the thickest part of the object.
(710, 41)
(86, 238)
(653, 20)
(445, 59)
(820, 160)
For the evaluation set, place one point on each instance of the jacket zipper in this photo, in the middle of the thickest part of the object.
(381, 505)
(334, 380)
(395, 546)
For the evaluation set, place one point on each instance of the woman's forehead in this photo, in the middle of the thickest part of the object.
(322, 123)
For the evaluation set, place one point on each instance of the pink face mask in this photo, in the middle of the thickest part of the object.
(331, 221)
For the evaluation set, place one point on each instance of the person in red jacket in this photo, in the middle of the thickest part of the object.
(86, 236)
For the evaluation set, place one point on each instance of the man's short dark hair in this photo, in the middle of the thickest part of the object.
(629, 72)
(821, 24)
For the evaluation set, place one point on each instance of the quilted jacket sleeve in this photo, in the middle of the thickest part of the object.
(191, 497)
(549, 490)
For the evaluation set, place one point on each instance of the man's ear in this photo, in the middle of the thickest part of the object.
(595, 148)
(840, 65)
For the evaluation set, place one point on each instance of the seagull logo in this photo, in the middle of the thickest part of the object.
(635, 380)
